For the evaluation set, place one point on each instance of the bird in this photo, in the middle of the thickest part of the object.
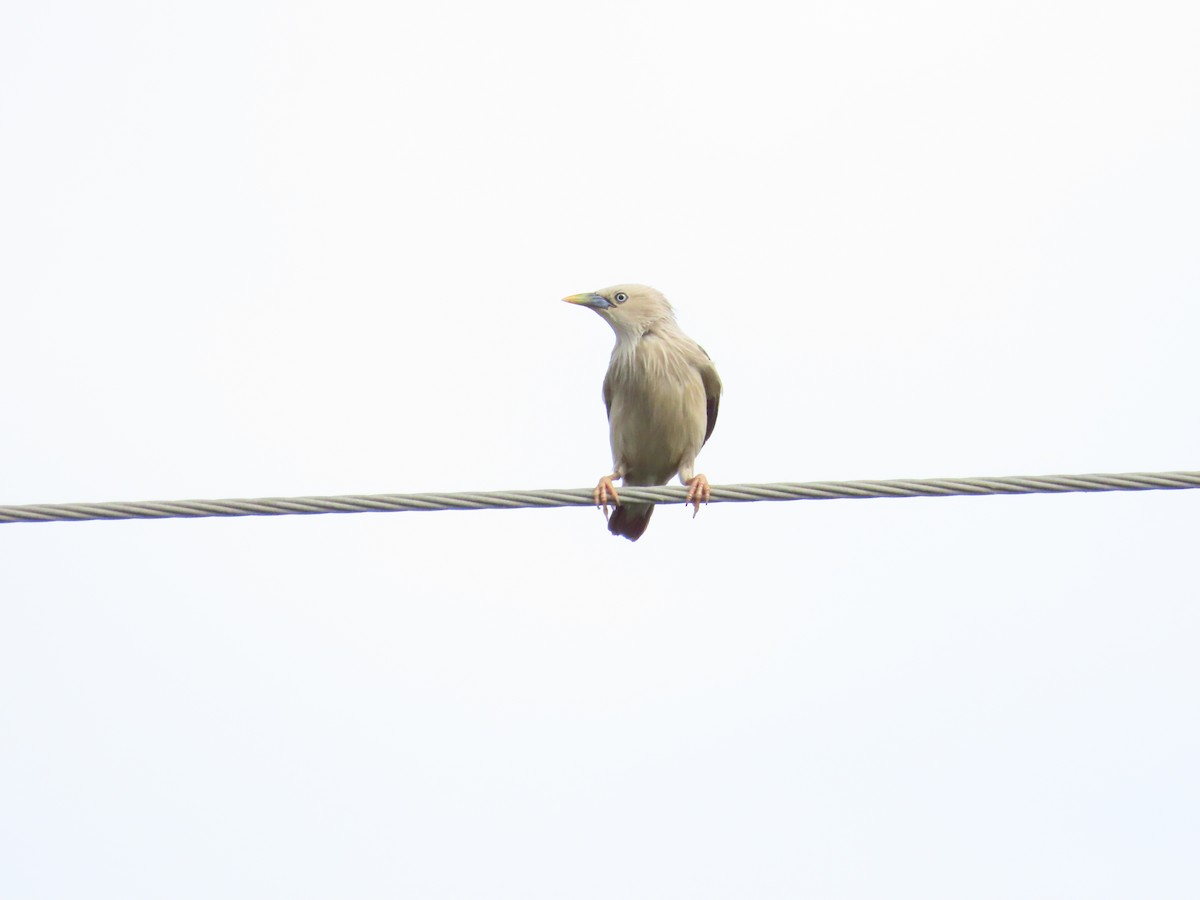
(661, 392)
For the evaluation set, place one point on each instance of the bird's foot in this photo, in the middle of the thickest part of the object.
(698, 492)
(604, 490)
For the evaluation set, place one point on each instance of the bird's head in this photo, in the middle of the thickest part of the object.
(630, 309)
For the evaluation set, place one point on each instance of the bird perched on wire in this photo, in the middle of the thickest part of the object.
(661, 392)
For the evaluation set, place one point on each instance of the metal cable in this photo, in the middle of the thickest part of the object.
(727, 493)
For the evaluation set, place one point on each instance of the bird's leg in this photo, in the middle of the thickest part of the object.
(698, 492)
(605, 488)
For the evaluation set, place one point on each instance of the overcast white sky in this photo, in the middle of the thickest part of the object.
(262, 248)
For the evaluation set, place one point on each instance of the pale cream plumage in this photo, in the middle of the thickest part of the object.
(662, 393)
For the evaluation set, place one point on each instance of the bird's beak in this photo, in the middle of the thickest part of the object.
(595, 301)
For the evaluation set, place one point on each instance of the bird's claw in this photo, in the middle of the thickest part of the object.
(601, 494)
(698, 492)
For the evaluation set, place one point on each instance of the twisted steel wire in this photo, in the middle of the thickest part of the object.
(727, 493)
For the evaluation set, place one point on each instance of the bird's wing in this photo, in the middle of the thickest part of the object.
(712, 391)
(608, 393)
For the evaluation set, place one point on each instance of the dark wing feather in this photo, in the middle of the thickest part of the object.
(711, 407)
(712, 393)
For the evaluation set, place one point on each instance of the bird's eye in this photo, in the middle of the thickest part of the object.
(620, 296)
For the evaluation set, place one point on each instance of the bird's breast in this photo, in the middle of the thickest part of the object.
(657, 417)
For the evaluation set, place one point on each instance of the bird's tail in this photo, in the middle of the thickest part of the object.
(629, 520)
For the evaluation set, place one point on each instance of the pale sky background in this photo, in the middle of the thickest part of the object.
(260, 248)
